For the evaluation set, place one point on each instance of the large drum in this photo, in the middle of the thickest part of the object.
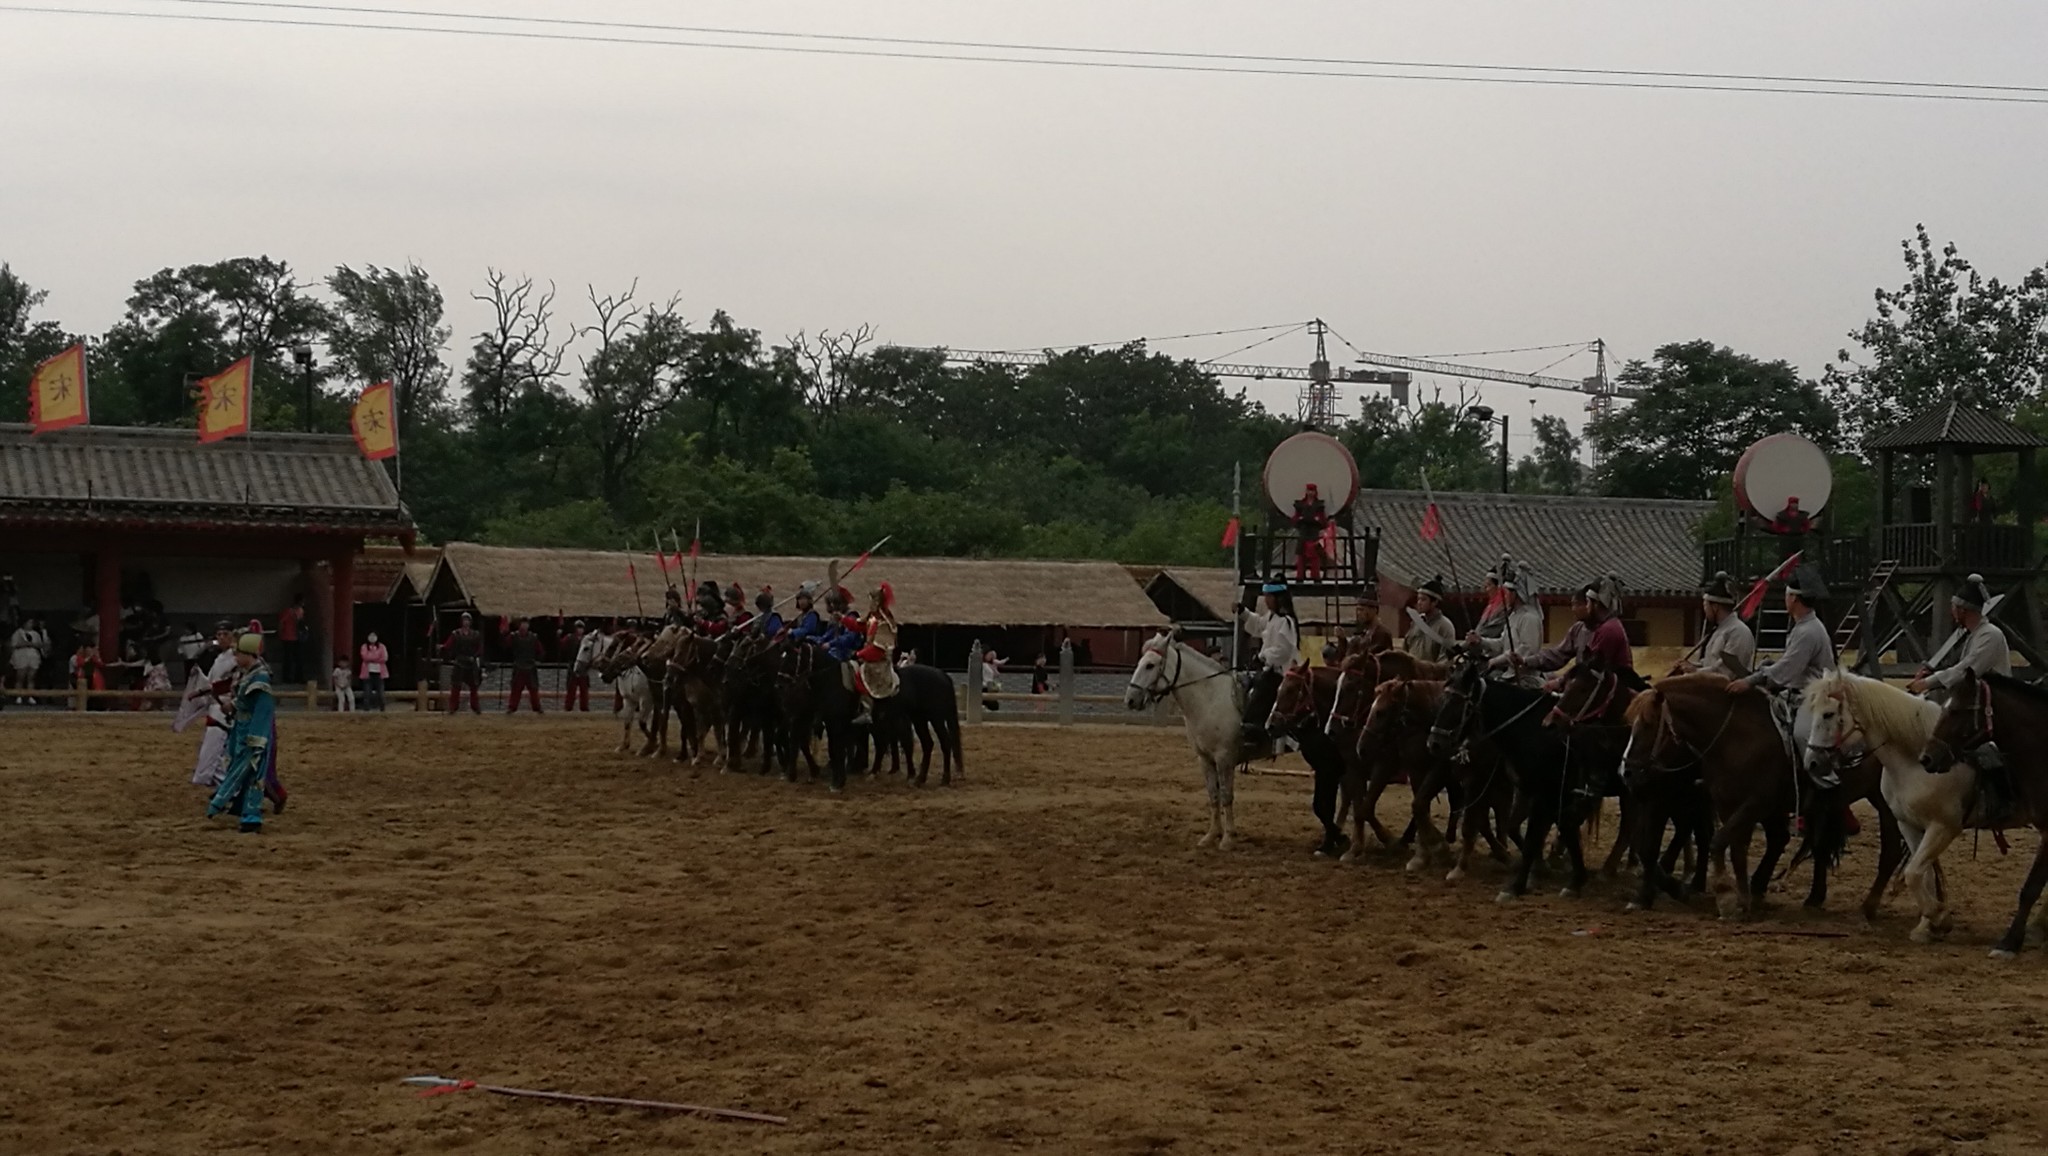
(1311, 459)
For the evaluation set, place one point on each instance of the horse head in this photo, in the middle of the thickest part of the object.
(1965, 725)
(1152, 680)
(1295, 702)
(1459, 707)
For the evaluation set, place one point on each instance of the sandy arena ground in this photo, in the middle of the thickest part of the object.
(1039, 958)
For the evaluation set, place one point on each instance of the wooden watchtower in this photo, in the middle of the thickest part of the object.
(1935, 528)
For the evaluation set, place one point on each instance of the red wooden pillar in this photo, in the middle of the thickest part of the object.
(343, 616)
(107, 599)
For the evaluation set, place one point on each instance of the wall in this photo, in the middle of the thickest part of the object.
(201, 589)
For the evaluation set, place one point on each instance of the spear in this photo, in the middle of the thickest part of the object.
(634, 573)
(857, 564)
(441, 1085)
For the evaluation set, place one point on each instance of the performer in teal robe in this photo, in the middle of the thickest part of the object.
(249, 738)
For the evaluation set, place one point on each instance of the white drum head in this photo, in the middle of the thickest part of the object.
(1311, 458)
(1783, 468)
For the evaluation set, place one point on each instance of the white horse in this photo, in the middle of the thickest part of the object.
(633, 687)
(1209, 704)
(1849, 712)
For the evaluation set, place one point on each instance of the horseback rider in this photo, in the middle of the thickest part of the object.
(1984, 650)
(1597, 636)
(1431, 636)
(766, 622)
(1520, 629)
(735, 610)
(874, 676)
(1808, 654)
(809, 625)
(673, 613)
(1279, 637)
(1367, 634)
(1730, 647)
(1494, 618)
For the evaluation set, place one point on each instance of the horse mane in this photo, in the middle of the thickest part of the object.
(1886, 713)
(1641, 706)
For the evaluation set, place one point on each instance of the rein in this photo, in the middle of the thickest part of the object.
(1155, 694)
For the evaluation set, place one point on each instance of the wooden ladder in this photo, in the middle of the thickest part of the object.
(1852, 620)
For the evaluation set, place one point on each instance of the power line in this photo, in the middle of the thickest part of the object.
(1011, 46)
(1126, 65)
(1256, 344)
(1494, 352)
(1288, 325)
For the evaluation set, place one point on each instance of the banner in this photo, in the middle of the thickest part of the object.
(224, 401)
(56, 391)
(374, 422)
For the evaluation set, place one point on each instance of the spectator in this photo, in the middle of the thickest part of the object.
(155, 679)
(991, 680)
(344, 691)
(88, 673)
(291, 634)
(1041, 682)
(374, 669)
(27, 649)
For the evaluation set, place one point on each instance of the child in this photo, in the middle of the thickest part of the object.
(344, 693)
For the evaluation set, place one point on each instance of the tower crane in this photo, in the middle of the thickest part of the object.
(1317, 400)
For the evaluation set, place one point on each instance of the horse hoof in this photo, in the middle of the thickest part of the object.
(1205, 840)
(1568, 893)
(2002, 955)
(1505, 898)
(1414, 865)
(1921, 934)
(1456, 874)
(1226, 843)
(1631, 907)
(1350, 855)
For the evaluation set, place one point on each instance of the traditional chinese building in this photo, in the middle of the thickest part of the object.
(96, 519)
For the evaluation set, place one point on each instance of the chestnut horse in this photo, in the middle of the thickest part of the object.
(1396, 732)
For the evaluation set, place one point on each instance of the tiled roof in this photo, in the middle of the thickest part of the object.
(1958, 426)
(103, 474)
(1651, 545)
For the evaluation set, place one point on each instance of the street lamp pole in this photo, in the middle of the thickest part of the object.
(302, 353)
(1485, 414)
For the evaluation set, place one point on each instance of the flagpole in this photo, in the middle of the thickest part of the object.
(1236, 560)
(1443, 531)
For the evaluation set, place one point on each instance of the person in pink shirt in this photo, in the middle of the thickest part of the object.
(374, 665)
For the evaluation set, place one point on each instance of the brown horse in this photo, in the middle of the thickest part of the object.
(1366, 779)
(2014, 716)
(1688, 728)
(1396, 732)
(1301, 711)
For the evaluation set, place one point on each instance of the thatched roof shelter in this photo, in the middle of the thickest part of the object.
(514, 582)
(1195, 594)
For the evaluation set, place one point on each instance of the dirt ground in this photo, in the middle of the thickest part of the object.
(1039, 958)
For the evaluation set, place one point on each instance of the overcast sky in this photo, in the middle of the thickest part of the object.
(1000, 206)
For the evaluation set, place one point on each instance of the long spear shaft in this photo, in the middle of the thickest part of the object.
(634, 573)
(1237, 561)
(857, 564)
(439, 1084)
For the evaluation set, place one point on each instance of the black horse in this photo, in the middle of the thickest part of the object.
(924, 705)
(1476, 709)
(814, 697)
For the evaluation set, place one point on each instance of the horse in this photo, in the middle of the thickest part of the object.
(1368, 776)
(815, 696)
(1396, 730)
(1211, 707)
(618, 665)
(2013, 714)
(924, 704)
(1477, 709)
(1932, 809)
(1300, 711)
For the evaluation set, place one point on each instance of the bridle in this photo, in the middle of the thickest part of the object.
(1606, 688)
(1667, 724)
(1981, 724)
(1338, 715)
(1835, 749)
(1154, 693)
(1303, 677)
(1467, 702)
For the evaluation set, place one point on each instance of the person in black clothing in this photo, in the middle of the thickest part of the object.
(466, 648)
(525, 647)
(1041, 678)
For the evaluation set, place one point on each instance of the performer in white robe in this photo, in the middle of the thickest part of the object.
(209, 693)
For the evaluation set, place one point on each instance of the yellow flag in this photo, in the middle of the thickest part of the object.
(56, 391)
(224, 401)
(374, 421)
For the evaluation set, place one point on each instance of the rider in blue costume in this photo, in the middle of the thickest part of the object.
(251, 740)
(809, 625)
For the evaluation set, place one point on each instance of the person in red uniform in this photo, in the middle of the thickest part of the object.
(291, 631)
(1312, 522)
(525, 647)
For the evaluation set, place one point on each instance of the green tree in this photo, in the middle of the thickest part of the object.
(1948, 331)
(633, 377)
(1394, 445)
(1701, 405)
(184, 324)
(386, 325)
(25, 342)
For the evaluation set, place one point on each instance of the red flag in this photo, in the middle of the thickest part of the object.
(1330, 541)
(1755, 599)
(1230, 529)
(1432, 524)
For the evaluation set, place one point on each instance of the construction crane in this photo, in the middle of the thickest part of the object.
(1317, 401)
